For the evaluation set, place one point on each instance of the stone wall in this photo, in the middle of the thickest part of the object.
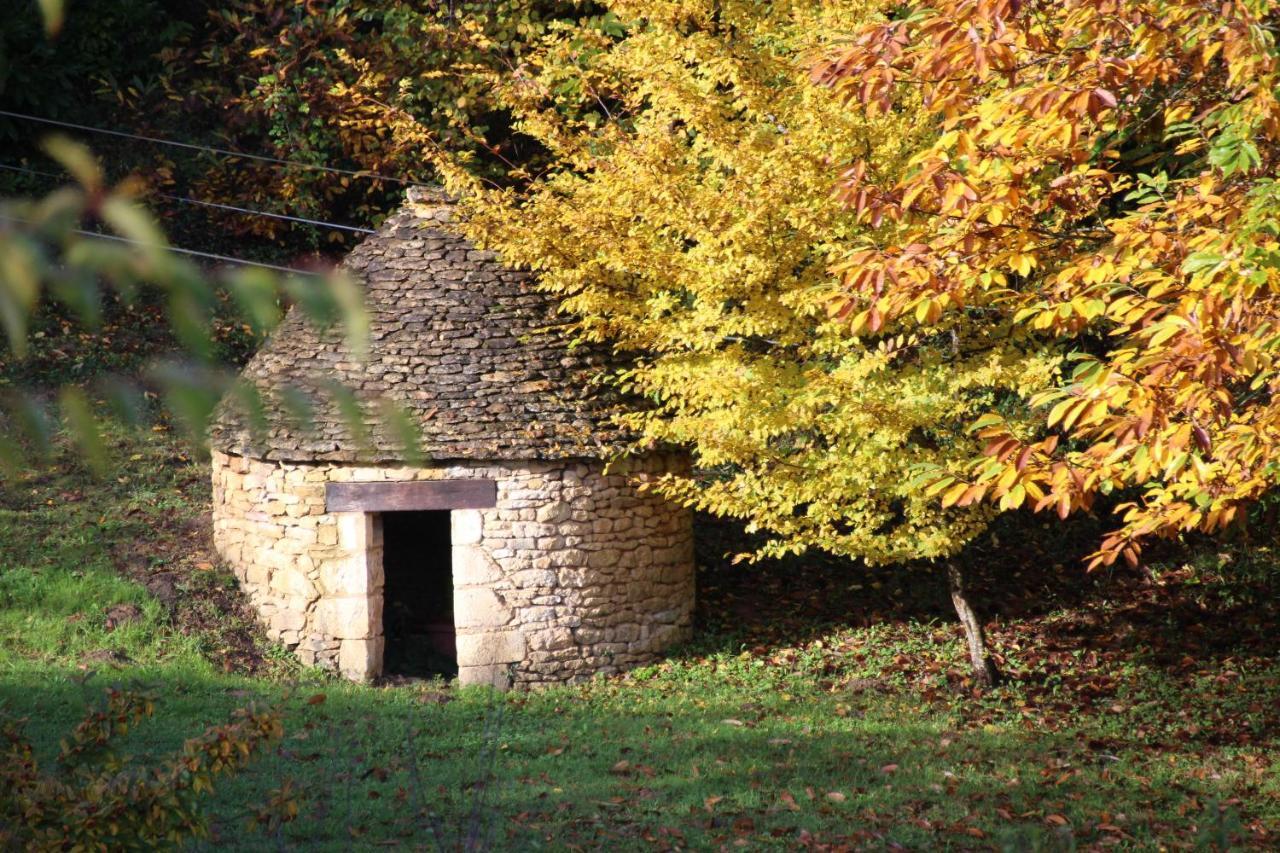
(572, 573)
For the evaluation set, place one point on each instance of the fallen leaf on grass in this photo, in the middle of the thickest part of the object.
(788, 802)
(317, 699)
(710, 802)
(836, 797)
(889, 768)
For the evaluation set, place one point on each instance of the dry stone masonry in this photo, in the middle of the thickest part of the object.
(573, 573)
(467, 346)
(573, 570)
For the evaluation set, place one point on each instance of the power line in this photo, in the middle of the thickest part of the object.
(210, 255)
(357, 173)
(202, 203)
(36, 172)
(304, 220)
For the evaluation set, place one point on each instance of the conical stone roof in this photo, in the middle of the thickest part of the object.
(467, 347)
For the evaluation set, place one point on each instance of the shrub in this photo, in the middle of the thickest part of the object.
(93, 799)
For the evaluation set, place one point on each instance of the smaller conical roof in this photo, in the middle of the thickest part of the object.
(469, 348)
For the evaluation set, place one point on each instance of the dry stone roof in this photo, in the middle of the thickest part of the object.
(468, 347)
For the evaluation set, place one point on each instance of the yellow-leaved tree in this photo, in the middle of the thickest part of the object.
(689, 219)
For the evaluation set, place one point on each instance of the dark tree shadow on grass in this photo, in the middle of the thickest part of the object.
(1020, 569)
(1199, 642)
(626, 771)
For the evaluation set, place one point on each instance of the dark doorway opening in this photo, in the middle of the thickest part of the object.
(417, 603)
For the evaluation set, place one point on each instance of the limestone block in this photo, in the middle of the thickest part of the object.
(663, 637)
(361, 659)
(479, 607)
(350, 617)
(551, 639)
(288, 619)
(356, 531)
(347, 576)
(534, 579)
(490, 648)
(567, 559)
(472, 566)
(467, 526)
(256, 574)
(554, 512)
(287, 545)
(608, 558)
(493, 675)
(537, 614)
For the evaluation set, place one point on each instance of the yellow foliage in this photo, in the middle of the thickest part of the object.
(689, 220)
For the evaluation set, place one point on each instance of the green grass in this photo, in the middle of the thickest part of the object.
(864, 735)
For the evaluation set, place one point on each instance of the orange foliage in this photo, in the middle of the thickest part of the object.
(1100, 183)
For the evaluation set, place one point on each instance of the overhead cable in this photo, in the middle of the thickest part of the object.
(210, 255)
(261, 158)
(202, 203)
(353, 228)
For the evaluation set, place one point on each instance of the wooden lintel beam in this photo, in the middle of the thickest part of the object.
(408, 496)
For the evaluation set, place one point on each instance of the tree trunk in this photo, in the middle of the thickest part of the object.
(984, 668)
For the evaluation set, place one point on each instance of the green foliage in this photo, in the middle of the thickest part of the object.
(92, 799)
(689, 219)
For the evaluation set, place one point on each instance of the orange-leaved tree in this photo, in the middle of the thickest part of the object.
(1102, 179)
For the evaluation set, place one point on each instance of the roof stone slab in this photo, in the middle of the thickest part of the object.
(468, 347)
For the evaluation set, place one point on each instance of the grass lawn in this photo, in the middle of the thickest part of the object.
(820, 706)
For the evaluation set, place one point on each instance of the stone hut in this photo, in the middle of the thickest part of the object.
(518, 548)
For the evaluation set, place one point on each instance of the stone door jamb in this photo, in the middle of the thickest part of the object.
(353, 614)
